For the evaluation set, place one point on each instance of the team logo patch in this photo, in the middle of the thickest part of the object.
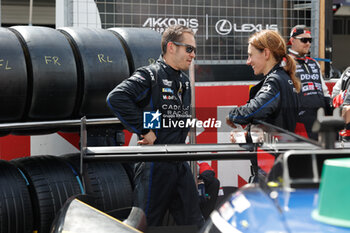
(318, 86)
(139, 77)
(167, 90)
(265, 88)
(311, 86)
(150, 73)
(308, 87)
(151, 120)
(168, 97)
(167, 82)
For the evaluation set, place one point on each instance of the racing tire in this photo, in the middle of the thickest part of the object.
(101, 65)
(51, 183)
(51, 80)
(13, 81)
(107, 181)
(16, 214)
(134, 41)
(52, 74)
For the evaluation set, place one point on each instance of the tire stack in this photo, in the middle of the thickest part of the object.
(61, 74)
(50, 183)
(33, 189)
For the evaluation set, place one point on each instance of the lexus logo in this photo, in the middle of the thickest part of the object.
(223, 27)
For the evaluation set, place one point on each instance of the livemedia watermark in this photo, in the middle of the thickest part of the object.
(157, 120)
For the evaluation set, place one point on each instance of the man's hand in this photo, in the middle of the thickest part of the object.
(148, 139)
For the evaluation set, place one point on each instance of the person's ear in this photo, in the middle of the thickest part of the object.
(291, 40)
(171, 47)
(267, 53)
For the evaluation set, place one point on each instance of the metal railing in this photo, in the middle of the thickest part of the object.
(57, 124)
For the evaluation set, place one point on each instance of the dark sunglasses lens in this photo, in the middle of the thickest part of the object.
(305, 40)
(189, 49)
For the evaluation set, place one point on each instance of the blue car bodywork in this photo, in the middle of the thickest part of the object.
(261, 207)
(252, 210)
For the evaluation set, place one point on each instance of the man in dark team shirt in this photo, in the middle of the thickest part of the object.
(164, 91)
(314, 93)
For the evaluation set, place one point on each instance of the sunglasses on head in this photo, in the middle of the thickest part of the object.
(189, 48)
(304, 39)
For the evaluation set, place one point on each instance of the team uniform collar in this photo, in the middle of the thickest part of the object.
(168, 69)
(276, 67)
(297, 56)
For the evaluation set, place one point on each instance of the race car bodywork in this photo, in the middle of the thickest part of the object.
(285, 206)
(252, 210)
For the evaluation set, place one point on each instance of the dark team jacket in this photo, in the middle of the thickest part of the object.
(311, 93)
(151, 88)
(273, 100)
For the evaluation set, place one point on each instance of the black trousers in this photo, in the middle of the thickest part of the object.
(162, 186)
